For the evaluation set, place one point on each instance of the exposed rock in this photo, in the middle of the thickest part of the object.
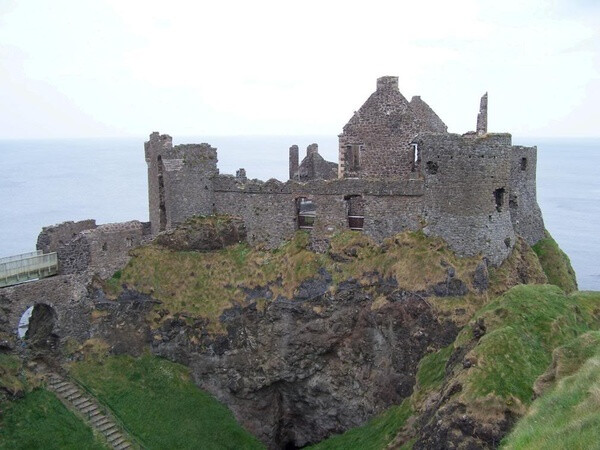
(302, 370)
(204, 234)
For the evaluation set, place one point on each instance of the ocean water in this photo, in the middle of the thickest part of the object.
(45, 182)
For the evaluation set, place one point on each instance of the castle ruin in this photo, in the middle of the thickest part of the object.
(399, 169)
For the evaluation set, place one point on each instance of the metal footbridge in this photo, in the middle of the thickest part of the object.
(26, 267)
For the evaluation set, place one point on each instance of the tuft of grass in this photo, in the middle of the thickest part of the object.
(568, 416)
(374, 435)
(556, 264)
(10, 379)
(40, 420)
(160, 405)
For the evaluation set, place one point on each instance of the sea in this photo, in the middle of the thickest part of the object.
(45, 182)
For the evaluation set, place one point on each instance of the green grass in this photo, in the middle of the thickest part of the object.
(160, 405)
(523, 327)
(41, 421)
(556, 264)
(374, 435)
(11, 382)
(567, 417)
(432, 369)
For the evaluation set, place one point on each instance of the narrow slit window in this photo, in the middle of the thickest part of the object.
(523, 163)
(499, 198)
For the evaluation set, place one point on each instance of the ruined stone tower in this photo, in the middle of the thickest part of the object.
(180, 180)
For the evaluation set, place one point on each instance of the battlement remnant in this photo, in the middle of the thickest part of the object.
(399, 169)
(482, 117)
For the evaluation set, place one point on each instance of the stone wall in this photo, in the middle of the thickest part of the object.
(100, 250)
(467, 182)
(269, 209)
(179, 181)
(54, 237)
(525, 212)
(314, 167)
(375, 143)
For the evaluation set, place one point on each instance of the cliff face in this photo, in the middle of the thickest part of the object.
(303, 369)
(300, 345)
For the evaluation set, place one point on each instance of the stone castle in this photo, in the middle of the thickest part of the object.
(399, 169)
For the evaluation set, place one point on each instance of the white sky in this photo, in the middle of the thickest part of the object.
(75, 68)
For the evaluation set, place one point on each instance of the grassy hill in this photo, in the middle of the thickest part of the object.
(517, 343)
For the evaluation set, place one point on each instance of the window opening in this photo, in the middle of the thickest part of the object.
(499, 198)
(523, 163)
(352, 157)
(416, 156)
(431, 167)
(356, 212)
(307, 211)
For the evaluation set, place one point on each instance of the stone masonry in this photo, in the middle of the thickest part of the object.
(399, 169)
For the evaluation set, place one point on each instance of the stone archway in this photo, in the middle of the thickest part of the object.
(37, 325)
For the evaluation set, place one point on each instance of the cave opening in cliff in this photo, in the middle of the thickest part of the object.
(37, 326)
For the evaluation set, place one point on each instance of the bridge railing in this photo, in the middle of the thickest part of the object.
(27, 266)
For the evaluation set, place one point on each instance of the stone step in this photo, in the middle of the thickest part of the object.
(101, 422)
(80, 402)
(57, 384)
(65, 388)
(118, 441)
(88, 409)
(74, 397)
(91, 411)
(107, 426)
(114, 435)
(67, 393)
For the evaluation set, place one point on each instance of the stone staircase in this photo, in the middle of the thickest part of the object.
(76, 399)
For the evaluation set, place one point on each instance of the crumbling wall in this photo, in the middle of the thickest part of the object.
(101, 250)
(109, 245)
(467, 181)
(525, 212)
(429, 119)
(52, 238)
(269, 209)
(179, 181)
(375, 143)
(315, 167)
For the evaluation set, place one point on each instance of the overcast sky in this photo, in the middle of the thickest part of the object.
(122, 67)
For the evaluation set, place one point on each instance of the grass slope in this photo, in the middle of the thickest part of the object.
(568, 416)
(374, 435)
(160, 405)
(41, 421)
(524, 326)
(556, 264)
